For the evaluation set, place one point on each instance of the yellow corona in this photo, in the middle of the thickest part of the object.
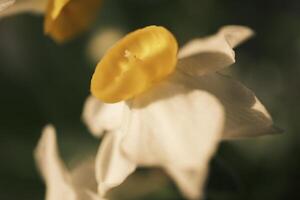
(67, 18)
(134, 64)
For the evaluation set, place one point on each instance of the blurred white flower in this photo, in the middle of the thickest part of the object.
(64, 19)
(178, 123)
(102, 40)
(62, 183)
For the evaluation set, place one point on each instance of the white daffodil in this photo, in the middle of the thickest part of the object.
(64, 19)
(61, 183)
(169, 110)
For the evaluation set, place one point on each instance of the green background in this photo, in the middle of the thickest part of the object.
(42, 82)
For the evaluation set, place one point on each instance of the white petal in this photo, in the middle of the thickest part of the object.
(190, 182)
(244, 114)
(235, 35)
(60, 183)
(174, 124)
(22, 6)
(112, 167)
(53, 170)
(100, 117)
(206, 55)
(178, 124)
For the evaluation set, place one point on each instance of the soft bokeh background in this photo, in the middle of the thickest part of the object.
(41, 82)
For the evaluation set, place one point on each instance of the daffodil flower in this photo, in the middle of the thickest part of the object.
(167, 109)
(64, 19)
(61, 183)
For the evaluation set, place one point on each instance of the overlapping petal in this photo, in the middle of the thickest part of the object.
(112, 166)
(210, 54)
(245, 115)
(175, 127)
(178, 123)
(173, 124)
(100, 117)
(61, 184)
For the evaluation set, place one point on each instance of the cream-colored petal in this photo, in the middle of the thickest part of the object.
(190, 182)
(235, 35)
(173, 124)
(209, 54)
(245, 116)
(179, 123)
(56, 176)
(100, 117)
(60, 183)
(112, 166)
(22, 6)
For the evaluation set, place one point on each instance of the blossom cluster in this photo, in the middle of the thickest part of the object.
(160, 105)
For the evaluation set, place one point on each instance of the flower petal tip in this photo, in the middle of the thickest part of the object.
(48, 135)
(236, 34)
